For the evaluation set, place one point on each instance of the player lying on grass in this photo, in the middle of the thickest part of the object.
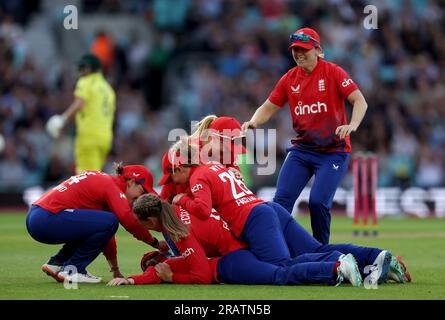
(84, 213)
(211, 187)
(215, 187)
(233, 262)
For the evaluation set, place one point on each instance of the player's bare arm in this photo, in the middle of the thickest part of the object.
(57, 122)
(119, 281)
(178, 197)
(77, 105)
(261, 115)
(114, 268)
(359, 107)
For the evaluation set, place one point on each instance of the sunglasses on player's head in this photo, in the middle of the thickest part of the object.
(303, 38)
(242, 135)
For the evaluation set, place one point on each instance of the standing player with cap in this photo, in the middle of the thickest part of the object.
(84, 213)
(93, 107)
(315, 90)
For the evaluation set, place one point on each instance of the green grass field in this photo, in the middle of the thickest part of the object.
(420, 242)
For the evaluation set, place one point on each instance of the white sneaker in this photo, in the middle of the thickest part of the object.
(78, 277)
(380, 267)
(52, 270)
(348, 270)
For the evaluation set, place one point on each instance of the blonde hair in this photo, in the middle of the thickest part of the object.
(203, 125)
(321, 54)
(150, 205)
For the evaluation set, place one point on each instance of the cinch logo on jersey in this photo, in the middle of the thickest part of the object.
(319, 107)
(346, 82)
(185, 216)
(196, 187)
(188, 252)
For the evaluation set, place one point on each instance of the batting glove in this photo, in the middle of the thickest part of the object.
(54, 125)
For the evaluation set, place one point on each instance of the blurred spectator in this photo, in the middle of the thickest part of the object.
(103, 48)
(222, 57)
(431, 169)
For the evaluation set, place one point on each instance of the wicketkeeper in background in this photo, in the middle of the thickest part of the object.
(93, 107)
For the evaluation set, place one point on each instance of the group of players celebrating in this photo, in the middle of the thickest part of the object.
(216, 229)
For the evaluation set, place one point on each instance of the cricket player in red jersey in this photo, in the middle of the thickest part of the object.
(160, 216)
(219, 139)
(213, 186)
(299, 242)
(232, 262)
(315, 90)
(84, 213)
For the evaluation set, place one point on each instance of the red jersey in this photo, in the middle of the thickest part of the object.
(192, 267)
(171, 189)
(215, 239)
(214, 186)
(316, 102)
(97, 191)
(213, 234)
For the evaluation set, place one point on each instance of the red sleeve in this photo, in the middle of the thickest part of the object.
(119, 205)
(199, 271)
(110, 251)
(200, 205)
(148, 277)
(177, 264)
(168, 192)
(344, 83)
(278, 96)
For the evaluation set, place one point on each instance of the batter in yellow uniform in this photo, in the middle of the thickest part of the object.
(94, 106)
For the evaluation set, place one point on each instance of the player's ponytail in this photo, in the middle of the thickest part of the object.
(150, 205)
(171, 223)
(203, 125)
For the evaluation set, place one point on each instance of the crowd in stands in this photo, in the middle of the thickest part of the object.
(224, 57)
